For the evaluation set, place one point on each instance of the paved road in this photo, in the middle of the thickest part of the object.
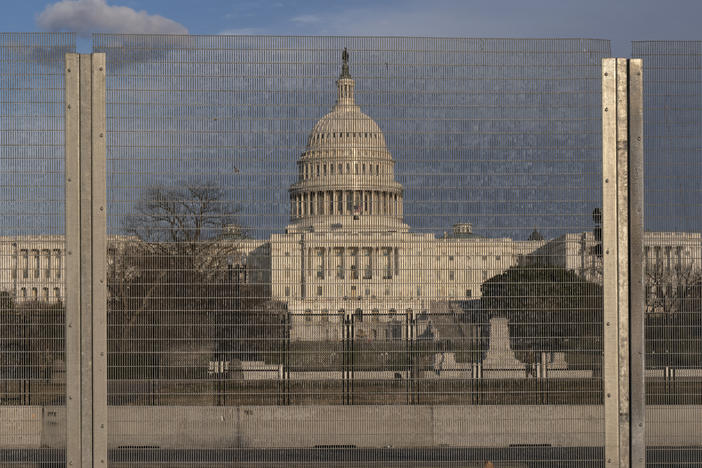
(513, 457)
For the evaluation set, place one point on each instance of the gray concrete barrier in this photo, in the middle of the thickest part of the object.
(360, 426)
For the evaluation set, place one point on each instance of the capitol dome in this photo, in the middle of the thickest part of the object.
(346, 174)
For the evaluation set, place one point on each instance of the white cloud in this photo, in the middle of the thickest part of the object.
(88, 16)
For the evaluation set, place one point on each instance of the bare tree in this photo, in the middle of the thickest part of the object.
(169, 276)
(673, 311)
(668, 287)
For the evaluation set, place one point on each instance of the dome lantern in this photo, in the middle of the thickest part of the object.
(345, 84)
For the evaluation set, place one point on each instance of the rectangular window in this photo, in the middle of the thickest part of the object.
(319, 290)
(36, 263)
(56, 258)
(320, 263)
(25, 263)
(354, 263)
(367, 264)
(287, 291)
(339, 261)
(469, 293)
(451, 275)
(387, 264)
(46, 260)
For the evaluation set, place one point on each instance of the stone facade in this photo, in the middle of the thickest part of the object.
(32, 267)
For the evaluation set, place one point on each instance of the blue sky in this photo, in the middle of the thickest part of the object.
(619, 21)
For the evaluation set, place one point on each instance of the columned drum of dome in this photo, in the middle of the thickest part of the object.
(346, 175)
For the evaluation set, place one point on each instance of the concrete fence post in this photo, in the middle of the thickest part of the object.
(622, 251)
(86, 289)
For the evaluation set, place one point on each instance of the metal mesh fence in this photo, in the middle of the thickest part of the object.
(354, 250)
(32, 271)
(672, 118)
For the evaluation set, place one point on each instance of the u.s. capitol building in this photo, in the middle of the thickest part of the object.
(346, 254)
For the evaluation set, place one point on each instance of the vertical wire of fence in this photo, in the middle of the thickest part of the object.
(673, 124)
(32, 284)
(355, 242)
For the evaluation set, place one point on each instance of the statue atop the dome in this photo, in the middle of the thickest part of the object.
(345, 66)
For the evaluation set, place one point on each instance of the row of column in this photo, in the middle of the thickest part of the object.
(345, 202)
(654, 257)
(352, 262)
(44, 263)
